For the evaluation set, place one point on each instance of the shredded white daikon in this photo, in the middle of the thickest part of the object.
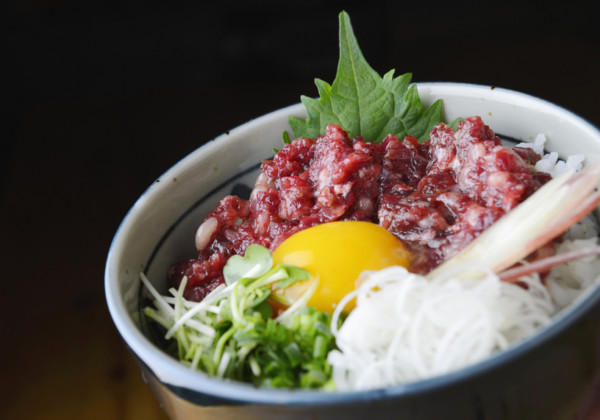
(406, 327)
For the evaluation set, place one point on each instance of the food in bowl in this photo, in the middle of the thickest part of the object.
(436, 196)
(435, 208)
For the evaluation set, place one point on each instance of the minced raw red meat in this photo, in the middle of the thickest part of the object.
(436, 196)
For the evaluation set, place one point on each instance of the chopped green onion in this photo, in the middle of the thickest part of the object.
(231, 333)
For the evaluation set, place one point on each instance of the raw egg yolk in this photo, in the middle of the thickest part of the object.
(335, 254)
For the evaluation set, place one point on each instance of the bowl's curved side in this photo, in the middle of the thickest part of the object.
(558, 380)
(147, 231)
(150, 238)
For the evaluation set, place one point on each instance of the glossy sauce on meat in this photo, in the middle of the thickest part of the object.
(436, 196)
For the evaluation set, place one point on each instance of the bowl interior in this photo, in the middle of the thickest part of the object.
(159, 229)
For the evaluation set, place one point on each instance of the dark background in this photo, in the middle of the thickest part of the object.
(103, 96)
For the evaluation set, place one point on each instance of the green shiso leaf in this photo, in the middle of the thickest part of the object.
(364, 103)
(454, 124)
(286, 138)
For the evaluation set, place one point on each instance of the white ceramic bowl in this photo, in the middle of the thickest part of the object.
(159, 231)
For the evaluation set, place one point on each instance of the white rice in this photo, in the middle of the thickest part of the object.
(549, 162)
(406, 328)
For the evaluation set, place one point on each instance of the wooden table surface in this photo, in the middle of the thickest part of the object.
(81, 370)
(106, 96)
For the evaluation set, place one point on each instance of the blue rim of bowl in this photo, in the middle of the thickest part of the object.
(218, 390)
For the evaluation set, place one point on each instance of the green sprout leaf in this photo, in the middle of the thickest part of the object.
(256, 262)
(294, 274)
(364, 103)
